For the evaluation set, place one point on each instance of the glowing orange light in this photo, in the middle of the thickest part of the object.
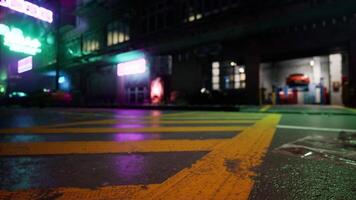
(157, 91)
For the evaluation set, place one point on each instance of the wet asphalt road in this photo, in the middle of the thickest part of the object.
(280, 176)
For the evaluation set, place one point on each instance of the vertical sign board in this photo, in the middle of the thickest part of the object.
(28, 8)
(24, 65)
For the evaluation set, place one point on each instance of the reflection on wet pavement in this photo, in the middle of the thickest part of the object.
(119, 137)
(321, 148)
(92, 171)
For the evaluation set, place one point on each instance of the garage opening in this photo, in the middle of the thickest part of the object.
(312, 80)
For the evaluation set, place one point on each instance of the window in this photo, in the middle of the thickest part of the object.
(216, 75)
(192, 11)
(117, 33)
(240, 77)
(232, 75)
(90, 43)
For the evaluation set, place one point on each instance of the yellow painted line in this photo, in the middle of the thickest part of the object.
(154, 122)
(162, 118)
(174, 114)
(120, 130)
(225, 173)
(104, 193)
(208, 118)
(265, 108)
(54, 148)
(218, 115)
(203, 121)
(105, 121)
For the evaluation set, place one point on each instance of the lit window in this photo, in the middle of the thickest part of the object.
(242, 70)
(90, 43)
(117, 33)
(121, 37)
(110, 38)
(191, 18)
(216, 72)
(237, 85)
(198, 16)
(216, 80)
(215, 75)
(242, 77)
(216, 64)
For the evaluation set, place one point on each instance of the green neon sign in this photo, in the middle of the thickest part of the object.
(17, 42)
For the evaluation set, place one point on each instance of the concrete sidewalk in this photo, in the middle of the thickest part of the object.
(301, 109)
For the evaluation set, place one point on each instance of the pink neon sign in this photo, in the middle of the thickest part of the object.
(131, 67)
(28, 9)
(24, 65)
(157, 91)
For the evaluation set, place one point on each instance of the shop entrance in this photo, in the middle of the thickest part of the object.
(313, 80)
(137, 95)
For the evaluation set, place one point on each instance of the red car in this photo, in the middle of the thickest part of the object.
(298, 80)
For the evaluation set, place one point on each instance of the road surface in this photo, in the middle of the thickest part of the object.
(142, 154)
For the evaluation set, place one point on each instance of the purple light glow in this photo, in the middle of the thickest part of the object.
(131, 167)
(125, 137)
(24, 65)
(28, 9)
(131, 67)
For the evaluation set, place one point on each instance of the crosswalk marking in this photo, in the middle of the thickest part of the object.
(121, 130)
(224, 173)
(60, 148)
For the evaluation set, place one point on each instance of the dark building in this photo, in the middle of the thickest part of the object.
(210, 52)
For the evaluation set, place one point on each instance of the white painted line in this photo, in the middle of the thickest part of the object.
(315, 128)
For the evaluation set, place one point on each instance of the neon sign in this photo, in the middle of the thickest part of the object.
(131, 67)
(157, 91)
(24, 65)
(28, 9)
(17, 42)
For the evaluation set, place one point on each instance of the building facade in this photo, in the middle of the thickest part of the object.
(129, 52)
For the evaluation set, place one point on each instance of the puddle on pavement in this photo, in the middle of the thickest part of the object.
(341, 149)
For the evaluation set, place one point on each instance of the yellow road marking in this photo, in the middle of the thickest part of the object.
(153, 122)
(120, 130)
(54, 148)
(162, 119)
(265, 108)
(104, 193)
(225, 173)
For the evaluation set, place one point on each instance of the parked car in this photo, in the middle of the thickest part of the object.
(298, 80)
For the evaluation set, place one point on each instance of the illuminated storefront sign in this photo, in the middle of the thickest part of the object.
(24, 65)
(17, 42)
(131, 67)
(28, 9)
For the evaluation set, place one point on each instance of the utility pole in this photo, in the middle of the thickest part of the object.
(58, 56)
